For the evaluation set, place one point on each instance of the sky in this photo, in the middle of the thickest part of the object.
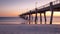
(12, 8)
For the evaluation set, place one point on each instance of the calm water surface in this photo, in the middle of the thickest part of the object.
(17, 20)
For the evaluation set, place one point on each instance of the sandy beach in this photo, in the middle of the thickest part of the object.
(29, 29)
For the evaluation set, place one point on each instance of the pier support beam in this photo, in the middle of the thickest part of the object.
(51, 9)
(36, 16)
(40, 18)
(45, 17)
(23, 16)
(26, 17)
(30, 17)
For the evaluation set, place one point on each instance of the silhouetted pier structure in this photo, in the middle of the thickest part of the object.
(52, 6)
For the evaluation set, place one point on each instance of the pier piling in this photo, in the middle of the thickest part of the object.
(36, 16)
(51, 9)
(45, 17)
(30, 17)
(40, 18)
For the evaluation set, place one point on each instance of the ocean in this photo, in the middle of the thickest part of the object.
(11, 20)
(12, 25)
(17, 20)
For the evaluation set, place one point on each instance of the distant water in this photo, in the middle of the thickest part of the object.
(17, 20)
(11, 20)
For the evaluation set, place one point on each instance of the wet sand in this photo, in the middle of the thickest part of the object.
(29, 29)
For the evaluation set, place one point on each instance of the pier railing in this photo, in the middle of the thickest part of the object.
(46, 5)
(56, 2)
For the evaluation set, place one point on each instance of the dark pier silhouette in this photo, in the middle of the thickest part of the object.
(52, 6)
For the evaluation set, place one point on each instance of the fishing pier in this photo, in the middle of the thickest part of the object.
(52, 6)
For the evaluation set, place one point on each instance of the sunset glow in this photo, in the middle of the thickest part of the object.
(13, 8)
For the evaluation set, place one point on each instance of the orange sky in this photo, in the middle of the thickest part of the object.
(15, 14)
(16, 7)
